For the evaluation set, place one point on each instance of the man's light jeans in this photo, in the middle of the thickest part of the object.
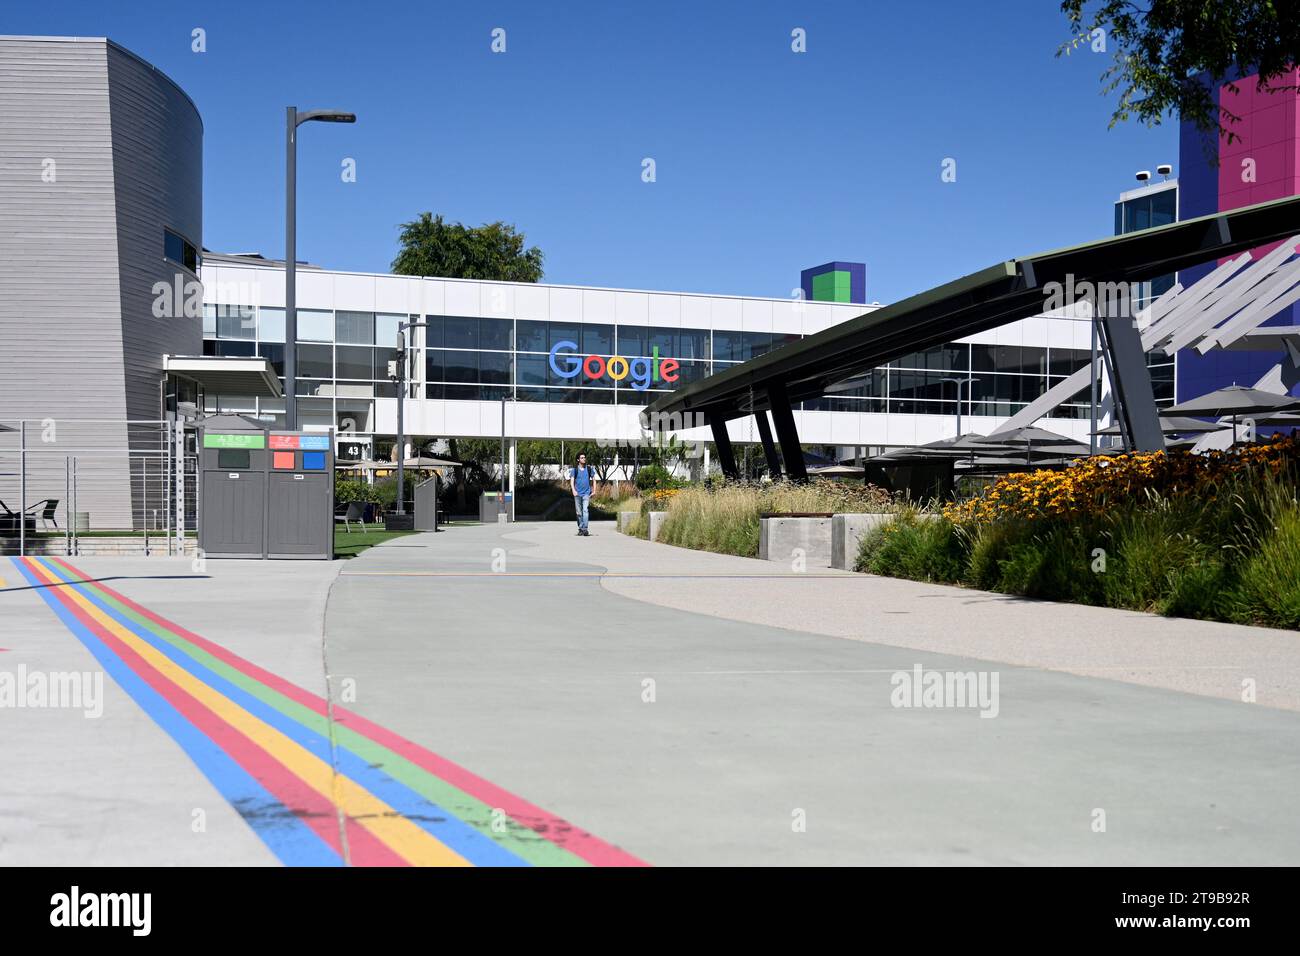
(580, 504)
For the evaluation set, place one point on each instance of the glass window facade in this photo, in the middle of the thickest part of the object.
(994, 380)
(343, 361)
(315, 326)
(1157, 208)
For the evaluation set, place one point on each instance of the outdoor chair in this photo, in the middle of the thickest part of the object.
(9, 520)
(48, 510)
(356, 512)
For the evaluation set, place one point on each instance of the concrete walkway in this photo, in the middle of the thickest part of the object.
(116, 789)
(520, 654)
(1199, 657)
(641, 693)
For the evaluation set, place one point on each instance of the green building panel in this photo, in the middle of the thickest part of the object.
(832, 287)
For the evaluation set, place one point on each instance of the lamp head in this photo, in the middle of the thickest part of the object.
(326, 116)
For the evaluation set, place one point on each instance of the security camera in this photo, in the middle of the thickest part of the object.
(1142, 175)
(1164, 169)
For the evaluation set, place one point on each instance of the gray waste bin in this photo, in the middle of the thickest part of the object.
(426, 505)
(264, 493)
(489, 506)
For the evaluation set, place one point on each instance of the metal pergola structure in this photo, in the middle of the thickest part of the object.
(1010, 290)
(1225, 309)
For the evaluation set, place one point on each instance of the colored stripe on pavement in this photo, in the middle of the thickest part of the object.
(317, 791)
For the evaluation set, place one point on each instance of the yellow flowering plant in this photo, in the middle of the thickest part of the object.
(1087, 486)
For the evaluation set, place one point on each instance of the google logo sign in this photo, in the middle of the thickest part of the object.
(642, 371)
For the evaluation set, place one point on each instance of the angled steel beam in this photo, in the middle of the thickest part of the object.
(1205, 290)
(1271, 299)
(1131, 380)
(1230, 294)
(769, 449)
(722, 442)
(786, 432)
(1158, 309)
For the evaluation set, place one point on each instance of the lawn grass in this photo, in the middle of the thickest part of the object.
(349, 545)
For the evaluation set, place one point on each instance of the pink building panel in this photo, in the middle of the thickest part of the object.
(1261, 164)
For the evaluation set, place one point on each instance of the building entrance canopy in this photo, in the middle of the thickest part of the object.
(251, 376)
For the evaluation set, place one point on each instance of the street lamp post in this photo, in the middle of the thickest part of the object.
(292, 120)
(501, 499)
(959, 382)
(399, 377)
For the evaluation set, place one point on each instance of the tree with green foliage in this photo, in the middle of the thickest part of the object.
(494, 250)
(531, 455)
(1159, 53)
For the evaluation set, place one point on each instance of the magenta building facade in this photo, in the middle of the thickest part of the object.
(1262, 163)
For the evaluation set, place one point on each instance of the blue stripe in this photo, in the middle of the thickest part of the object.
(291, 840)
(474, 845)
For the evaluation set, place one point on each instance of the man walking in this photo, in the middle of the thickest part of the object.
(580, 479)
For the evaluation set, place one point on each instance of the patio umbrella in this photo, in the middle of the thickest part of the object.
(1031, 436)
(833, 471)
(1235, 400)
(1171, 425)
(1028, 433)
(963, 446)
(1281, 418)
(425, 462)
(971, 441)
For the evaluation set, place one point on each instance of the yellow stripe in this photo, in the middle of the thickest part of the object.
(416, 845)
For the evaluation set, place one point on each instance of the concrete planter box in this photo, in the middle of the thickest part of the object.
(656, 523)
(625, 518)
(778, 539)
(848, 530)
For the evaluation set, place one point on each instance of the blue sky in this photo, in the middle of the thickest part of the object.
(767, 161)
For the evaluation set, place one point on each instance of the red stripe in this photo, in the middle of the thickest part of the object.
(300, 799)
(579, 842)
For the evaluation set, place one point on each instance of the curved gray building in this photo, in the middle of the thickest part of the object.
(101, 200)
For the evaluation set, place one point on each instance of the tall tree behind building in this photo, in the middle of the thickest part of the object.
(495, 250)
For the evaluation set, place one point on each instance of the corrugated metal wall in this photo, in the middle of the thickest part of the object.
(99, 153)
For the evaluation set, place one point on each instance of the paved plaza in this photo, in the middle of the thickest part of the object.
(515, 694)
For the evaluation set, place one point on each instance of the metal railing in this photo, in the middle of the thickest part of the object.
(71, 477)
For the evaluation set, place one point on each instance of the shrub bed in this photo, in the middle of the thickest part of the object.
(1212, 536)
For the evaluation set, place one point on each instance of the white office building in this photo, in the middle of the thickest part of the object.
(546, 350)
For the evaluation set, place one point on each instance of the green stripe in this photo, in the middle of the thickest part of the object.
(519, 839)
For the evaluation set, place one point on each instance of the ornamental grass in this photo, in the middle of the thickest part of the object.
(1213, 536)
(724, 516)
